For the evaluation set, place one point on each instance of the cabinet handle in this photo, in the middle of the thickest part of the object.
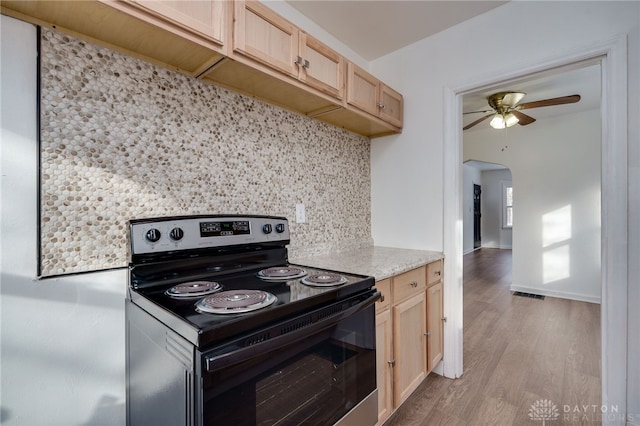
(382, 106)
(444, 319)
(392, 363)
(428, 334)
(304, 63)
(381, 298)
(414, 284)
(437, 273)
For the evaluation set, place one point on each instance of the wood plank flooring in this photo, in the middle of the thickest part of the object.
(517, 351)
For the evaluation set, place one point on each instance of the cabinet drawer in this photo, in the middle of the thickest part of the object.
(409, 283)
(384, 287)
(434, 272)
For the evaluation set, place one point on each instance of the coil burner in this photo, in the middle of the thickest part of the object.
(193, 289)
(282, 273)
(235, 302)
(324, 279)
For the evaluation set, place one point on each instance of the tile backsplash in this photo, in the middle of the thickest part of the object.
(123, 139)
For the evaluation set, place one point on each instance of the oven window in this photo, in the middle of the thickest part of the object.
(315, 381)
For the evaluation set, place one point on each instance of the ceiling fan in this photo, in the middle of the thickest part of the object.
(506, 110)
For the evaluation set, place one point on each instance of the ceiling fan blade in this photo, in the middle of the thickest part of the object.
(510, 99)
(523, 119)
(549, 102)
(477, 112)
(480, 120)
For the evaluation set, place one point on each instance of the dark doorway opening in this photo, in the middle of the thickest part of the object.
(477, 239)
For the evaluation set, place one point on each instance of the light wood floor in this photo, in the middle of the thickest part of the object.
(517, 351)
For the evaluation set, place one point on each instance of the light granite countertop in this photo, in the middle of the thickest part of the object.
(379, 262)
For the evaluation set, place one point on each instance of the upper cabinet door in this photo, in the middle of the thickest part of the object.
(320, 66)
(263, 35)
(362, 89)
(203, 17)
(390, 105)
(369, 94)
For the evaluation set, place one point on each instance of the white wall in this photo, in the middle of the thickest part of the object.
(62, 340)
(456, 57)
(460, 57)
(556, 183)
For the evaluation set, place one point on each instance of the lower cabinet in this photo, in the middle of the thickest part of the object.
(409, 346)
(408, 334)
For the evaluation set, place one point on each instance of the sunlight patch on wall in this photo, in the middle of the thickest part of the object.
(556, 264)
(556, 234)
(556, 226)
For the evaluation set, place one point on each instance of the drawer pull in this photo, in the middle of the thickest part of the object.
(438, 273)
(414, 284)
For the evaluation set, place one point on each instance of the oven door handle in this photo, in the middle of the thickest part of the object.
(218, 362)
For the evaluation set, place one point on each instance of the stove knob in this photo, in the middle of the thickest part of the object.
(176, 234)
(153, 235)
(267, 228)
(280, 228)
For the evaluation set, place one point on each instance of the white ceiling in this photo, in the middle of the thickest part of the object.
(373, 28)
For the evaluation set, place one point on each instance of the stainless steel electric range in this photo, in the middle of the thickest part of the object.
(222, 329)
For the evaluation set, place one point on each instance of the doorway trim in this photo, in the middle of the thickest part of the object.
(612, 54)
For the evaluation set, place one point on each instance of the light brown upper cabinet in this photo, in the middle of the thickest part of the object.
(156, 32)
(369, 94)
(263, 35)
(205, 18)
(322, 67)
(240, 45)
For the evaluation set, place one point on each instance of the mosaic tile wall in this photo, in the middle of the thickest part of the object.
(122, 139)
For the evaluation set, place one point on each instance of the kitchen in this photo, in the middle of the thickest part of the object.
(84, 369)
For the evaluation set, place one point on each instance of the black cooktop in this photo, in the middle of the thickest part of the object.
(201, 329)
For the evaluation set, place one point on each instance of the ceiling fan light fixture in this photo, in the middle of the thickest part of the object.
(501, 121)
(498, 122)
(510, 119)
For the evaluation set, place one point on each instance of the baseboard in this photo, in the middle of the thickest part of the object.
(497, 246)
(560, 294)
(467, 251)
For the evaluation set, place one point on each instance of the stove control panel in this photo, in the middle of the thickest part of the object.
(194, 232)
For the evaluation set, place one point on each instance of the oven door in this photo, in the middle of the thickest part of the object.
(316, 369)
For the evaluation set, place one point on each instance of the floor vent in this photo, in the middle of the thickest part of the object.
(529, 295)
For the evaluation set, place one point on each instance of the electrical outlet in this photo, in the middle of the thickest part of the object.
(300, 214)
